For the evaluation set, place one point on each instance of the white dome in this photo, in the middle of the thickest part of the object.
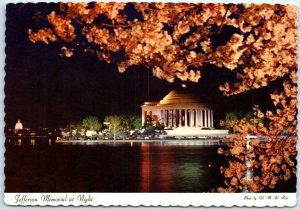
(181, 97)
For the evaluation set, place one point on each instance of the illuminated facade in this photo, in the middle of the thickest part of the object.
(179, 109)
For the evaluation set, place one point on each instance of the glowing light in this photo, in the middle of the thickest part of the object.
(18, 126)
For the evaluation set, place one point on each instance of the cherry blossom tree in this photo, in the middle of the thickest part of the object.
(258, 42)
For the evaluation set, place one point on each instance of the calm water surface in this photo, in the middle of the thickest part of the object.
(120, 167)
(147, 167)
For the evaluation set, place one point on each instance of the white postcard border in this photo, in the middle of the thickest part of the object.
(145, 199)
(152, 199)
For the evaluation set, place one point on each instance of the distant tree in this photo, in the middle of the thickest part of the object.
(127, 123)
(123, 123)
(74, 126)
(137, 122)
(231, 119)
(91, 123)
(71, 126)
(115, 123)
(238, 122)
(250, 117)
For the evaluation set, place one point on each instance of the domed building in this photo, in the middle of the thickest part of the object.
(179, 108)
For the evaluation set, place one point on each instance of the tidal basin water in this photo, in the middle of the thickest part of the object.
(121, 167)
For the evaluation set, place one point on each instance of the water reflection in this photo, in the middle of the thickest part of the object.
(29, 141)
(145, 168)
(155, 167)
(166, 168)
(110, 167)
(141, 167)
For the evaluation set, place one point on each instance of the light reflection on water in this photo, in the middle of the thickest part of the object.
(168, 168)
(112, 167)
(29, 141)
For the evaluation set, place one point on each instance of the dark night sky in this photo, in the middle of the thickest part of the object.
(44, 90)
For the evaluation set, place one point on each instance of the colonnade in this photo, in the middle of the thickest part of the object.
(187, 118)
(173, 118)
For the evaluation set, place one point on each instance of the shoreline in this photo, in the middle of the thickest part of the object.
(141, 141)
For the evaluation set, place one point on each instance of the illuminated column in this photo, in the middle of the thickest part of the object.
(180, 118)
(205, 118)
(207, 112)
(176, 118)
(161, 117)
(196, 123)
(164, 115)
(192, 118)
(212, 118)
(172, 118)
(166, 118)
(189, 119)
(197, 118)
(208, 116)
(143, 117)
(185, 117)
(200, 117)
(169, 115)
(191, 123)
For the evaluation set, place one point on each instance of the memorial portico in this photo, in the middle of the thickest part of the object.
(179, 109)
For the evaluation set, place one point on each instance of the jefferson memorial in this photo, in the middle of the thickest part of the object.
(181, 110)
